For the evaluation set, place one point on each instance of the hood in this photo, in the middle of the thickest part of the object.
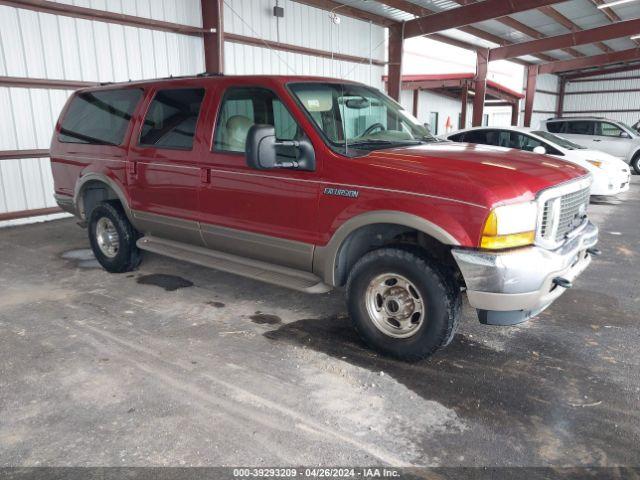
(479, 174)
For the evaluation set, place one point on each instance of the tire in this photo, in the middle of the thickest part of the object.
(635, 163)
(116, 253)
(439, 298)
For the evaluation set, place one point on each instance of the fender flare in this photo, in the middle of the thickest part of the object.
(112, 184)
(325, 258)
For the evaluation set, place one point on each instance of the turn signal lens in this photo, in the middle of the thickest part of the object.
(508, 241)
(510, 226)
(595, 163)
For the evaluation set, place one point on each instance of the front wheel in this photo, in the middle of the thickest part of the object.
(113, 238)
(401, 305)
(635, 163)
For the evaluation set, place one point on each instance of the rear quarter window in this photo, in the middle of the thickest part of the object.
(555, 127)
(99, 118)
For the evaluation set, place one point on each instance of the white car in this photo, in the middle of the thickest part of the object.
(610, 136)
(610, 174)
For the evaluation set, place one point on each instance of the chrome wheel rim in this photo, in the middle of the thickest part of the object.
(107, 237)
(395, 305)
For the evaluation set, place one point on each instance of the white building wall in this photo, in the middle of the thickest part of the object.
(606, 104)
(450, 108)
(41, 45)
(304, 26)
(544, 104)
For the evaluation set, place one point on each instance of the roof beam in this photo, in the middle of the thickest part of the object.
(632, 54)
(606, 32)
(66, 10)
(420, 11)
(570, 25)
(468, 14)
(610, 14)
(345, 9)
(527, 30)
(601, 71)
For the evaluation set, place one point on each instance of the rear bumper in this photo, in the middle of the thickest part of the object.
(509, 287)
(66, 203)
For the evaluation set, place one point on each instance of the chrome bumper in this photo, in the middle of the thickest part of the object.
(509, 287)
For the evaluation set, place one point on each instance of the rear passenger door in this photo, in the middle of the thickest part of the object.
(580, 132)
(163, 170)
(269, 215)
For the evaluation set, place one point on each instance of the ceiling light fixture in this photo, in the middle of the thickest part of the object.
(614, 3)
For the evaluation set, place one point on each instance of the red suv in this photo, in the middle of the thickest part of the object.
(313, 183)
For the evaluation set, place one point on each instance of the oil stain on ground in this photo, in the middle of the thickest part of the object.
(265, 319)
(170, 283)
(216, 304)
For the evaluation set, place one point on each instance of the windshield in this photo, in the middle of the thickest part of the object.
(634, 131)
(560, 141)
(357, 117)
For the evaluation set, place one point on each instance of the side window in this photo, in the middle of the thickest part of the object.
(608, 130)
(99, 118)
(476, 136)
(580, 127)
(244, 107)
(556, 127)
(172, 118)
(456, 138)
(527, 143)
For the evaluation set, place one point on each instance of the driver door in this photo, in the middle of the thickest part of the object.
(269, 215)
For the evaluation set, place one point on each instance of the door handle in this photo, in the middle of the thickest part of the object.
(205, 175)
(597, 140)
(132, 168)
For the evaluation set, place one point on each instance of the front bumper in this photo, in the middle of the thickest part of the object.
(611, 183)
(509, 287)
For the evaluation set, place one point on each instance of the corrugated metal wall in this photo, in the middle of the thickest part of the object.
(41, 45)
(611, 103)
(302, 26)
(47, 46)
(544, 104)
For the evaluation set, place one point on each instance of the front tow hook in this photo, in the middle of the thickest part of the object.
(596, 252)
(562, 282)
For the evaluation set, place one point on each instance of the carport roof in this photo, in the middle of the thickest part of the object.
(454, 82)
(545, 21)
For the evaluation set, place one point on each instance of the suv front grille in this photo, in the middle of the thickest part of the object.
(573, 211)
(561, 215)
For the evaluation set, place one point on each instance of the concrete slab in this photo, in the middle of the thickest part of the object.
(179, 365)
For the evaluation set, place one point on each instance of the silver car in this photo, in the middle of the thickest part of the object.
(610, 136)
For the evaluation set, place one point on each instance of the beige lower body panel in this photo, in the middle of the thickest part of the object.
(268, 249)
(161, 226)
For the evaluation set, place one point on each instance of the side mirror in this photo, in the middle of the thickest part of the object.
(540, 149)
(264, 151)
(625, 135)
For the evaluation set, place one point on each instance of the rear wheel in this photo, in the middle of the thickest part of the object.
(401, 305)
(113, 238)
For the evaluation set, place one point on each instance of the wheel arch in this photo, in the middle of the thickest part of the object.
(103, 188)
(371, 230)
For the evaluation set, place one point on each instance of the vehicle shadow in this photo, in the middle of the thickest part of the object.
(513, 392)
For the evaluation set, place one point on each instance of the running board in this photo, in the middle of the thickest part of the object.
(263, 271)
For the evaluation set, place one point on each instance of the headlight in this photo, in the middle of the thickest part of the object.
(510, 226)
(595, 163)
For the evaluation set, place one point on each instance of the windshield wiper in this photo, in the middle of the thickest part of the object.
(374, 142)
